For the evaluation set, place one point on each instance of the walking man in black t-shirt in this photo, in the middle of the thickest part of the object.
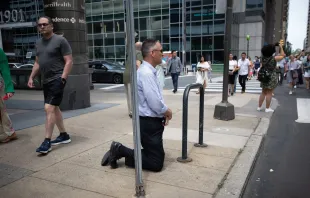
(54, 61)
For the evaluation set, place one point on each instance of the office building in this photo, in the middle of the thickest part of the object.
(307, 42)
(265, 21)
(160, 19)
(106, 27)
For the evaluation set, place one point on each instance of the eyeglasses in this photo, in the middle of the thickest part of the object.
(42, 24)
(161, 51)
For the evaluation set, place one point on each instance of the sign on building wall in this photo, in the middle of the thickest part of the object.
(12, 16)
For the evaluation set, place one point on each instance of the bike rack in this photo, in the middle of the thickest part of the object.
(200, 143)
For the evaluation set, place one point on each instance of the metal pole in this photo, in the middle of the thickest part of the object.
(130, 35)
(227, 43)
(184, 121)
(247, 48)
(201, 116)
(184, 34)
(224, 110)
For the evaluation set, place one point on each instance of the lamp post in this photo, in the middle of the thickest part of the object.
(248, 41)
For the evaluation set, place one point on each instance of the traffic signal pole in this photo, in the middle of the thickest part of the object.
(225, 110)
(131, 58)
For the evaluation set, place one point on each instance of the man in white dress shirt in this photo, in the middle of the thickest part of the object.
(154, 115)
(244, 69)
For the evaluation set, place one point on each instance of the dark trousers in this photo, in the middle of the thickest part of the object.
(175, 80)
(300, 77)
(242, 81)
(153, 153)
(281, 75)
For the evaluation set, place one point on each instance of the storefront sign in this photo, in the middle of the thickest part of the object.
(12, 16)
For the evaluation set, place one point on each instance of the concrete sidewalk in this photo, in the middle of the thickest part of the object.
(74, 170)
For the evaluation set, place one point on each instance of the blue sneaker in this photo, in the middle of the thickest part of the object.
(61, 139)
(45, 147)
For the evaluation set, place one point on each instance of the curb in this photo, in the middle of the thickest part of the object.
(240, 172)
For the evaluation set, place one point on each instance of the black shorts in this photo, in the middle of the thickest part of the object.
(53, 92)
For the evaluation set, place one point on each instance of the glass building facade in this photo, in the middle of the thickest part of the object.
(18, 33)
(158, 19)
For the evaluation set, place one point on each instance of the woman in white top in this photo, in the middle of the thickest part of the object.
(307, 72)
(292, 73)
(202, 72)
(233, 70)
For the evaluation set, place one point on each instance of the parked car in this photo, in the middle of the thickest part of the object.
(14, 65)
(106, 72)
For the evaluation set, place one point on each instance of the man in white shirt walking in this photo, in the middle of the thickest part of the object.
(244, 69)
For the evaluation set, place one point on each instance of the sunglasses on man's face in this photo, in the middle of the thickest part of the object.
(42, 24)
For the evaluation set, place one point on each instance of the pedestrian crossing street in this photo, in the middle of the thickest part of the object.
(252, 86)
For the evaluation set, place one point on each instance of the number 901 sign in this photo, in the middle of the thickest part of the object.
(12, 16)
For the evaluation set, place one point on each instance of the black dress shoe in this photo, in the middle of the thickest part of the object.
(105, 159)
(114, 154)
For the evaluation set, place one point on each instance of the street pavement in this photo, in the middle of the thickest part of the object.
(283, 166)
(74, 170)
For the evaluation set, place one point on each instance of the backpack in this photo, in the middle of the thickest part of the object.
(264, 74)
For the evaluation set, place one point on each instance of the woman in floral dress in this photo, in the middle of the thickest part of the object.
(269, 62)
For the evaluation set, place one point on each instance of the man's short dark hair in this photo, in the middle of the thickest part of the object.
(243, 53)
(173, 51)
(147, 45)
(50, 21)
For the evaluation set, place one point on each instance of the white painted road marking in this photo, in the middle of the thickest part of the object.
(112, 87)
(251, 87)
(303, 110)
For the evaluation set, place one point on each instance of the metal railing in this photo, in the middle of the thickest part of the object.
(200, 143)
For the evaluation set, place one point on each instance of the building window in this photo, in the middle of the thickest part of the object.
(218, 42)
(98, 40)
(207, 12)
(219, 27)
(196, 2)
(175, 44)
(207, 27)
(196, 14)
(196, 43)
(254, 4)
(196, 28)
(174, 3)
(218, 57)
(207, 2)
(174, 16)
(175, 30)
(207, 43)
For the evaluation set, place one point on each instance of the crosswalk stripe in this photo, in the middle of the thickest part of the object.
(303, 106)
(251, 87)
